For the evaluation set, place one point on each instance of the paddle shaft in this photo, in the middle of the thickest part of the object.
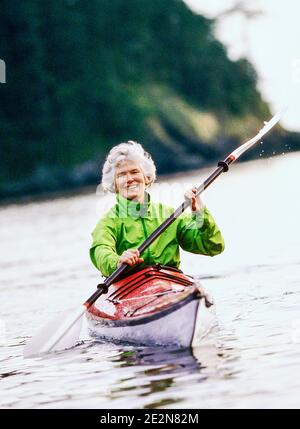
(222, 167)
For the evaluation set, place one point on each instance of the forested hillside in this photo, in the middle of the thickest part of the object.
(85, 75)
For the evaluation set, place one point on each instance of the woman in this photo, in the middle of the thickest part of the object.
(128, 172)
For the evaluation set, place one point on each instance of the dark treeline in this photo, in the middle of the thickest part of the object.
(85, 75)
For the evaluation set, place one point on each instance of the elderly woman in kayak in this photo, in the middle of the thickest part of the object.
(129, 171)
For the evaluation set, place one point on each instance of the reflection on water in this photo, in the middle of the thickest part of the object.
(251, 360)
(160, 372)
(159, 368)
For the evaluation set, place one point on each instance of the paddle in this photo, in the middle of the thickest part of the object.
(64, 330)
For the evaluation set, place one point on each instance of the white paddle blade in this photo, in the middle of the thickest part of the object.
(60, 333)
(266, 128)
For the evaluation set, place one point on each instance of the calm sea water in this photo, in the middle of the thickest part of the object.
(252, 360)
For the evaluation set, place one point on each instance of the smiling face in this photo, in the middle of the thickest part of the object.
(130, 181)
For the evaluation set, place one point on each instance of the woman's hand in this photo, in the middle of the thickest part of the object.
(130, 257)
(197, 205)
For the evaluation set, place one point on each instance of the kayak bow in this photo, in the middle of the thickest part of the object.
(153, 306)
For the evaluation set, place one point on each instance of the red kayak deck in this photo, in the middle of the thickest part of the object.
(144, 293)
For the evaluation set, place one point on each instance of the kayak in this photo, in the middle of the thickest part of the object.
(156, 305)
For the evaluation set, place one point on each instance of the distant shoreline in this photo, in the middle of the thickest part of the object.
(90, 189)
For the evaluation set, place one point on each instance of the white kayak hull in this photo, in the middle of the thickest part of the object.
(184, 326)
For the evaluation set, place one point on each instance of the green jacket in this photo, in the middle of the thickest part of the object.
(128, 224)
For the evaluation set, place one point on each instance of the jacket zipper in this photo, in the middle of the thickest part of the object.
(146, 236)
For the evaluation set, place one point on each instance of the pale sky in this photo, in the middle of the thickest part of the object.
(271, 41)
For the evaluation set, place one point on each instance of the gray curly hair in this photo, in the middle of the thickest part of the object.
(130, 151)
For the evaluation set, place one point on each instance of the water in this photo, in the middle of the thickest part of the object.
(252, 360)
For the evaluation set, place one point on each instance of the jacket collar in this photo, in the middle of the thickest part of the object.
(129, 208)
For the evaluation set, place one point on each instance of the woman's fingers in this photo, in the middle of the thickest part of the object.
(130, 261)
(131, 257)
(196, 202)
(191, 193)
(191, 196)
